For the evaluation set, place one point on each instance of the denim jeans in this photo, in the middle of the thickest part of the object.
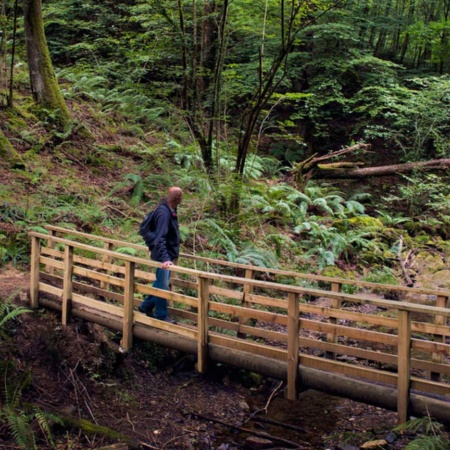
(158, 303)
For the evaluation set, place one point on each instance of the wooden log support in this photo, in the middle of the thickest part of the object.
(404, 365)
(248, 289)
(128, 306)
(203, 325)
(51, 244)
(293, 346)
(34, 275)
(335, 303)
(441, 302)
(67, 285)
(106, 259)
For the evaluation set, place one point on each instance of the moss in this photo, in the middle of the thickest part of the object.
(357, 223)
(9, 154)
(334, 272)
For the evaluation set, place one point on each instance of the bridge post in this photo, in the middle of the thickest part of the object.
(106, 259)
(67, 284)
(441, 302)
(34, 275)
(335, 303)
(404, 365)
(51, 244)
(128, 306)
(203, 327)
(293, 345)
(250, 275)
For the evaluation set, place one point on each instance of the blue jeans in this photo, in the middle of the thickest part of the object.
(158, 303)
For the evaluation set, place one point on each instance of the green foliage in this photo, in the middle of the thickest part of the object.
(18, 417)
(433, 435)
(9, 311)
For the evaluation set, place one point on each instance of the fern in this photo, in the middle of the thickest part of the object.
(429, 443)
(8, 311)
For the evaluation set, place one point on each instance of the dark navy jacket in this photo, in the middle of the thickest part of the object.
(167, 240)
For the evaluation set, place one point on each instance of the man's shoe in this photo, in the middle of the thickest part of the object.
(168, 319)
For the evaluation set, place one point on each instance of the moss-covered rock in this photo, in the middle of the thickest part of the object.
(359, 223)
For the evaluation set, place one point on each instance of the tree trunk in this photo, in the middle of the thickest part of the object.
(9, 154)
(324, 171)
(44, 84)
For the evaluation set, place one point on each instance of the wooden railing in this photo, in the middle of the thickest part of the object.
(403, 344)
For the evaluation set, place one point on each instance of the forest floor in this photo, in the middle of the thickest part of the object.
(76, 375)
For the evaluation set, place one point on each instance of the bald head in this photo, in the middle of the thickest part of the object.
(174, 196)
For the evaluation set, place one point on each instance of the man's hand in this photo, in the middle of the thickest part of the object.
(166, 264)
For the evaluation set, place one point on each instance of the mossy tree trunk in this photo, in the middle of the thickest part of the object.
(44, 84)
(9, 154)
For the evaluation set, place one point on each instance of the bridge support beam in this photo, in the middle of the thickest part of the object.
(308, 378)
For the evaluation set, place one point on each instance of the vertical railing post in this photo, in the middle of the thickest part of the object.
(106, 259)
(128, 306)
(404, 365)
(51, 244)
(293, 345)
(248, 289)
(67, 284)
(335, 303)
(203, 325)
(441, 302)
(34, 275)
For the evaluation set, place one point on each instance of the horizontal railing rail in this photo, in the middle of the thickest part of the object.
(397, 343)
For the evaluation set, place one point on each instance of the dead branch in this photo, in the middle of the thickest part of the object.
(246, 430)
(280, 424)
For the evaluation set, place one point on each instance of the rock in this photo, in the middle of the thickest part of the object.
(374, 444)
(255, 443)
(390, 438)
(346, 447)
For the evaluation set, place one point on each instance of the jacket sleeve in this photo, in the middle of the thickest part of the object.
(160, 252)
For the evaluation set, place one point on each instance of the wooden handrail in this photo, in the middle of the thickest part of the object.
(125, 279)
(390, 287)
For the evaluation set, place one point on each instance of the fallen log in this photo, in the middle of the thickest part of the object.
(332, 172)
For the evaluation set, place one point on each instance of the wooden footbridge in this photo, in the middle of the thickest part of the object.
(384, 345)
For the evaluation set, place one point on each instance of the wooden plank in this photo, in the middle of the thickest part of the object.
(106, 258)
(268, 301)
(250, 347)
(57, 292)
(430, 346)
(203, 327)
(52, 252)
(347, 315)
(430, 387)
(249, 313)
(293, 347)
(51, 264)
(51, 245)
(335, 303)
(128, 298)
(355, 333)
(404, 365)
(169, 295)
(228, 293)
(329, 365)
(81, 300)
(119, 282)
(34, 272)
(247, 290)
(67, 285)
(441, 302)
(178, 329)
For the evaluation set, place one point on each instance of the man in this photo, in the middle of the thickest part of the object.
(165, 249)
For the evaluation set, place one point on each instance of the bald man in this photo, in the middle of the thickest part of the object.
(165, 249)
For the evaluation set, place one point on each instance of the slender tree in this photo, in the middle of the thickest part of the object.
(44, 84)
